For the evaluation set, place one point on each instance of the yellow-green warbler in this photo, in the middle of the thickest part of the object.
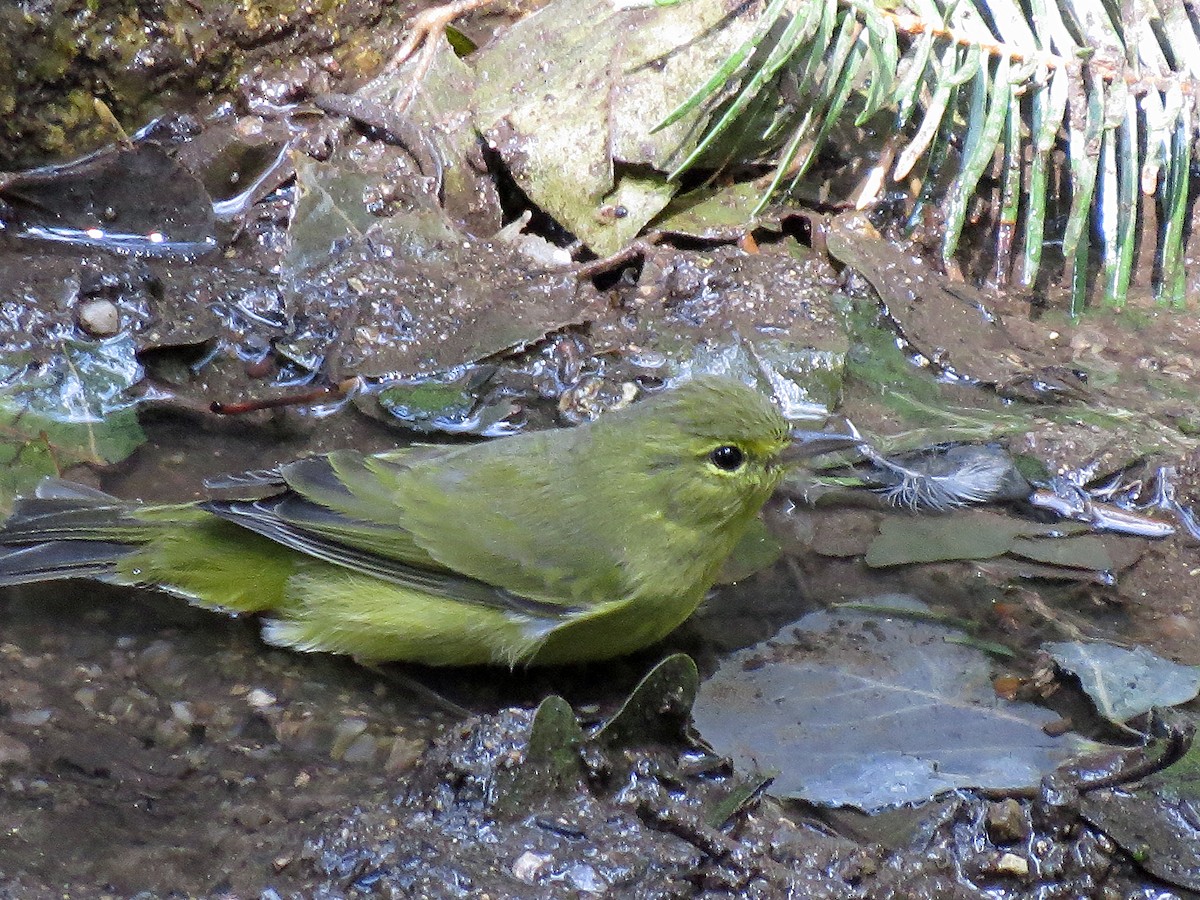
(547, 547)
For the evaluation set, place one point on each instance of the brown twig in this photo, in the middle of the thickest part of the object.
(635, 249)
(328, 392)
(423, 30)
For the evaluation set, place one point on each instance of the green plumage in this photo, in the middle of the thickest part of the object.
(548, 547)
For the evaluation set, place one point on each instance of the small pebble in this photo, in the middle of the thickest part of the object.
(251, 817)
(86, 697)
(171, 734)
(403, 755)
(99, 318)
(529, 865)
(259, 699)
(1007, 822)
(181, 710)
(13, 751)
(347, 733)
(1011, 864)
(585, 878)
(31, 716)
(20, 693)
(361, 750)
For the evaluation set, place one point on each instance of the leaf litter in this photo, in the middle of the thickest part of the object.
(1125, 682)
(870, 710)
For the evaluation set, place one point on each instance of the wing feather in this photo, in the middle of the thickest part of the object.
(262, 517)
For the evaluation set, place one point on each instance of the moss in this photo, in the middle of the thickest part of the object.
(138, 56)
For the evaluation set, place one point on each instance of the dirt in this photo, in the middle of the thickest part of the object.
(151, 749)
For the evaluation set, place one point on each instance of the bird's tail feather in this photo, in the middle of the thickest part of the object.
(67, 531)
(53, 560)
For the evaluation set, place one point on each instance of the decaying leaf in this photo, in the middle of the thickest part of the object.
(72, 409)
(570, 95)
(1124, 683)
(657, 709)
(1156, 821)
(870, 710)
(411, 294)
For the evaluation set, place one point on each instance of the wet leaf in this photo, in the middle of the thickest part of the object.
(330, 210)
(551, 764)
(983, 535)
(738, 799)
(468, 190)
(133, 199)
(22, 465)
(1157, 820)
(451, 404)
(658, 708)
(1124, 683)
(921, 539)
(566, 117)
(1182, 780)
(712, 211)
(868, 710)
(805, 381)
(411, 294)
(72, 409)
(1161, 836)
(1082, 552)
(966, 534)
(946, 322)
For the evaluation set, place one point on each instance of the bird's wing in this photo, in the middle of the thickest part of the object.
(321, 533)
(334, 497)
(508, 514)
(360, 510)
(521, 513)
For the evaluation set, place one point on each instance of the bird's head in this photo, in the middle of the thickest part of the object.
(715, 449)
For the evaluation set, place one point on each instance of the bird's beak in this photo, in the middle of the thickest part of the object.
(806, 444)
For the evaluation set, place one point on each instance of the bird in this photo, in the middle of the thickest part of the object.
(547, 547)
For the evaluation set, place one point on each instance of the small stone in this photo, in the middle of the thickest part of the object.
(13, 751)
(403, 755)
(260, 699)
(170, 735)
(347, 733)
(156, 657)
(529, 865)
(1011, 864)
(1007, 822)
(86, 697)
(182, 712)
(585, 878)
(361, 750)
(251, 817)
(99, 318)
(20, 693)
(32, 717)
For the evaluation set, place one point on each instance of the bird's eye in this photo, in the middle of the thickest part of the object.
(727, 457)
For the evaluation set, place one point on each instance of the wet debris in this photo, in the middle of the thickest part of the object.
(657, 815)
(944, 477)
(947, 327)
(128, 198)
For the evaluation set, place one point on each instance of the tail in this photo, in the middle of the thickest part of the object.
(68, 530)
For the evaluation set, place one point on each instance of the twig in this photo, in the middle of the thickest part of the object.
(338, 391)
(424, 28)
